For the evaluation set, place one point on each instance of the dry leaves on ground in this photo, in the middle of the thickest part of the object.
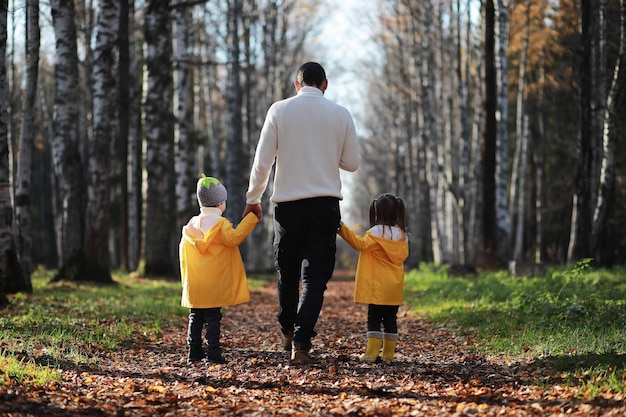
(434, 374)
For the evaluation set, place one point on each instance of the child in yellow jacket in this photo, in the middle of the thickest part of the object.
(212, 271)
(380, 273)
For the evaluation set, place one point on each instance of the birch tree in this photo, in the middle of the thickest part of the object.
(184, 149)
(503, 222)
(101, 149)
(580, 230)
(617, 91)
(68, 166)
(160, 215)
(517, 203)
(23, 221)
(538, 153)
(236, 155)
(489, 138)
(462, 72)
(10, 271)
(124, 109)
(135, 152)
(430, 132)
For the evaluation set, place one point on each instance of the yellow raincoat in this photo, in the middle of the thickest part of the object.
(212, 271)
(380, 270)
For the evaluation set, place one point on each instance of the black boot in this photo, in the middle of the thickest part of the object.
(215, 355)
(196, 353)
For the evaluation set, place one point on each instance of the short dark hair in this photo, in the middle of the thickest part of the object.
(311, 73)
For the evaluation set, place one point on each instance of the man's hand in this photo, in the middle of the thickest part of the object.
(254, 208)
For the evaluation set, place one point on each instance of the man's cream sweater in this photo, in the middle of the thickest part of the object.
(310, 138)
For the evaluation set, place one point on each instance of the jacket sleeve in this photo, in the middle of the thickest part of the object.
(234, 236)
(357, 242)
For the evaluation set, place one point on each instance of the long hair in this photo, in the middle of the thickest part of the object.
(388, 210)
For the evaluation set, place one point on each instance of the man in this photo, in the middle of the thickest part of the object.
(310, 139)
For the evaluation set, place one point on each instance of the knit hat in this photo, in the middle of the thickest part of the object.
(210, 192)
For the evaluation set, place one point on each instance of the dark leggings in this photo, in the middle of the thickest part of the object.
(198, 317)
(379, 317)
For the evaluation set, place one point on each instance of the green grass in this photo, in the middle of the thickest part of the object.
(66, 322)
(574, 319)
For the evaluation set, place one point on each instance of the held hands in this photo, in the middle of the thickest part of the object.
(254, 208)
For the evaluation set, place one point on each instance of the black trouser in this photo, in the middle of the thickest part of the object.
(197, 318)
(379, 317)
(305, 233)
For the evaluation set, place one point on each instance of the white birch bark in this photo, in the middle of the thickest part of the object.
(9, 263)
(184, 153)
(474, 241)
(539, 158)
(65, 143)
(160, 213)
(462, 74)
(122, 143)
(609, 140)
(101, 149)
(431, 138)
(23, 220)
(503, 227)
(582, 209)
(135, 148)
(518, 174)
(236, 154)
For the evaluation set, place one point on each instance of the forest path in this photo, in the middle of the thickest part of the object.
(434, 374)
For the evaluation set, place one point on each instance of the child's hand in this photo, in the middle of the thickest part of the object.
(254, 208)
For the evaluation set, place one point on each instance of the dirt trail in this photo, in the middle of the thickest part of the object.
(434, 375)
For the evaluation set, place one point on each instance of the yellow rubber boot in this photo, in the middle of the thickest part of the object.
(374, 341)
(389, 346)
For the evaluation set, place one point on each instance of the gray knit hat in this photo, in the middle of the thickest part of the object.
(210, 192)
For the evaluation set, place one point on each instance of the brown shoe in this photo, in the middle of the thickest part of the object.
(287, 339)
(300, 355)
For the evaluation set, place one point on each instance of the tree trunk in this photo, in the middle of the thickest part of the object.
(102, 145)
(431, 138)
(135, 152)
(606, 189)
(160, 217)
(490, 260)
(13, 102)
(85, 15)
(10, 271)
(462, 65)
(475, 243)
(123, 117)
(503, 222)
(23, 220)
(518, 176)
(581, 211)
(186, 203)
(68, 165)
(538, 151)
(236, 154)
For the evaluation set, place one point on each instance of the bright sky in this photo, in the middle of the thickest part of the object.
(345, 42)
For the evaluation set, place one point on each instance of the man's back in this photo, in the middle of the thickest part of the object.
(314, 139)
